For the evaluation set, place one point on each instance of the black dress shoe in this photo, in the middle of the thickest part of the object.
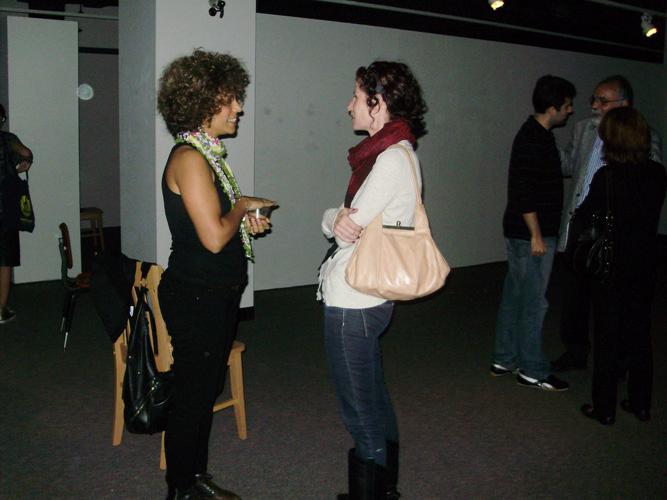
(206, 488)
(643, 415)
(183, 494)
(590, 412)
(567, 362)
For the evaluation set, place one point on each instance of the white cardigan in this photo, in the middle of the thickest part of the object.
(389, 189)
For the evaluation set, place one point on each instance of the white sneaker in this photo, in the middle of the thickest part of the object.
(6, 315)
(550, 383)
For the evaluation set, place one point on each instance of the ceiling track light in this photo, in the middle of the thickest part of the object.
(648, 28)
(496, 4)
(216, 7)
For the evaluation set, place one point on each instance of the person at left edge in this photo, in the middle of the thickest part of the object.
(15, 158)
(530, 227)
(200, 99)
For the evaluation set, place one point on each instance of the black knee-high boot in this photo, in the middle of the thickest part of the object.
(392, 470)
(366, 479)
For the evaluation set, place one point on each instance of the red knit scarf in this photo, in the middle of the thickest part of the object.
(362, 156)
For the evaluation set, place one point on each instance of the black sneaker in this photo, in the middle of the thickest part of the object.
(6, 315)
(498, 370)
(550, 383)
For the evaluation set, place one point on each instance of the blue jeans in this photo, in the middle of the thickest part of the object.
(522, 308)
(353, 349)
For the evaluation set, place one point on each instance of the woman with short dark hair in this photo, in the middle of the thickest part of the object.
(622, 305)
(200, 99)
(387, 105)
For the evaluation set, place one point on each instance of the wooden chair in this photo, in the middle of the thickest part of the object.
(164, 360)
(93, 216)
(73, 286)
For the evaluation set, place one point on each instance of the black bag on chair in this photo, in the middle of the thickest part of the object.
(146, 391)
(111, 288)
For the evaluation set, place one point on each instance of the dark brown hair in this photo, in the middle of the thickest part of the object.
(193, 88)
(399, 89)
(552, 91)
(625, 135)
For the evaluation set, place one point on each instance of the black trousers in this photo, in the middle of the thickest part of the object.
(202, 324)
(575, 314)
(622, 325)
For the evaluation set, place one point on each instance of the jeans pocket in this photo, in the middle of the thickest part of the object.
(374, 320)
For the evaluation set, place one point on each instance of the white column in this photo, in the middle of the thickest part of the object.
(152, 33)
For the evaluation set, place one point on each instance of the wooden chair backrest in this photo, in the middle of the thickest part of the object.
(66, 247)
(163, 358)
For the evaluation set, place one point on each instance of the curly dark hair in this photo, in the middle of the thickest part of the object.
(193, 88)
(400, 90)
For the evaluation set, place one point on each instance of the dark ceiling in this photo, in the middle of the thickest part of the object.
(579, 25)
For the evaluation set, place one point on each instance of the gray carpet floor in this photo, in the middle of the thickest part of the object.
(464, 434)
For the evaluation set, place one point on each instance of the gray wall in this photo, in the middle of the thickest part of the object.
(41, 70)
(98, 136)
(98, 118)
(478, 94)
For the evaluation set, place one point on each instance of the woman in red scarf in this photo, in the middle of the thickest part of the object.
(387, 104)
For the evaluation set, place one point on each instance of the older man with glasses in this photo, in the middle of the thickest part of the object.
(581, 159)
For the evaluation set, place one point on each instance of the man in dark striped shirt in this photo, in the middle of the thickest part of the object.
(530, 227)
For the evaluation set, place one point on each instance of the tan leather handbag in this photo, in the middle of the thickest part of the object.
(397, 262)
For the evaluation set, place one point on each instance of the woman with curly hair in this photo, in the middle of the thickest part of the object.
(387, 105)
(200, 99)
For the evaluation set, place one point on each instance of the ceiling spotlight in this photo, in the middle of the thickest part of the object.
(648, 28)
(496, 4)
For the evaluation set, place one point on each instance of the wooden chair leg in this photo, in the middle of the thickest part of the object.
(238, 396)
(118, 420)
(163, 457)
(100, 231)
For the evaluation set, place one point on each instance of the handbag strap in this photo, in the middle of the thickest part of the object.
(413, 169)
(142, 291)
(609, 190)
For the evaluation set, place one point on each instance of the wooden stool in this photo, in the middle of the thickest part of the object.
(164, 361)
(93, 215)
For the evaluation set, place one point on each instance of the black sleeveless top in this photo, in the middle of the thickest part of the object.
(190, 261)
